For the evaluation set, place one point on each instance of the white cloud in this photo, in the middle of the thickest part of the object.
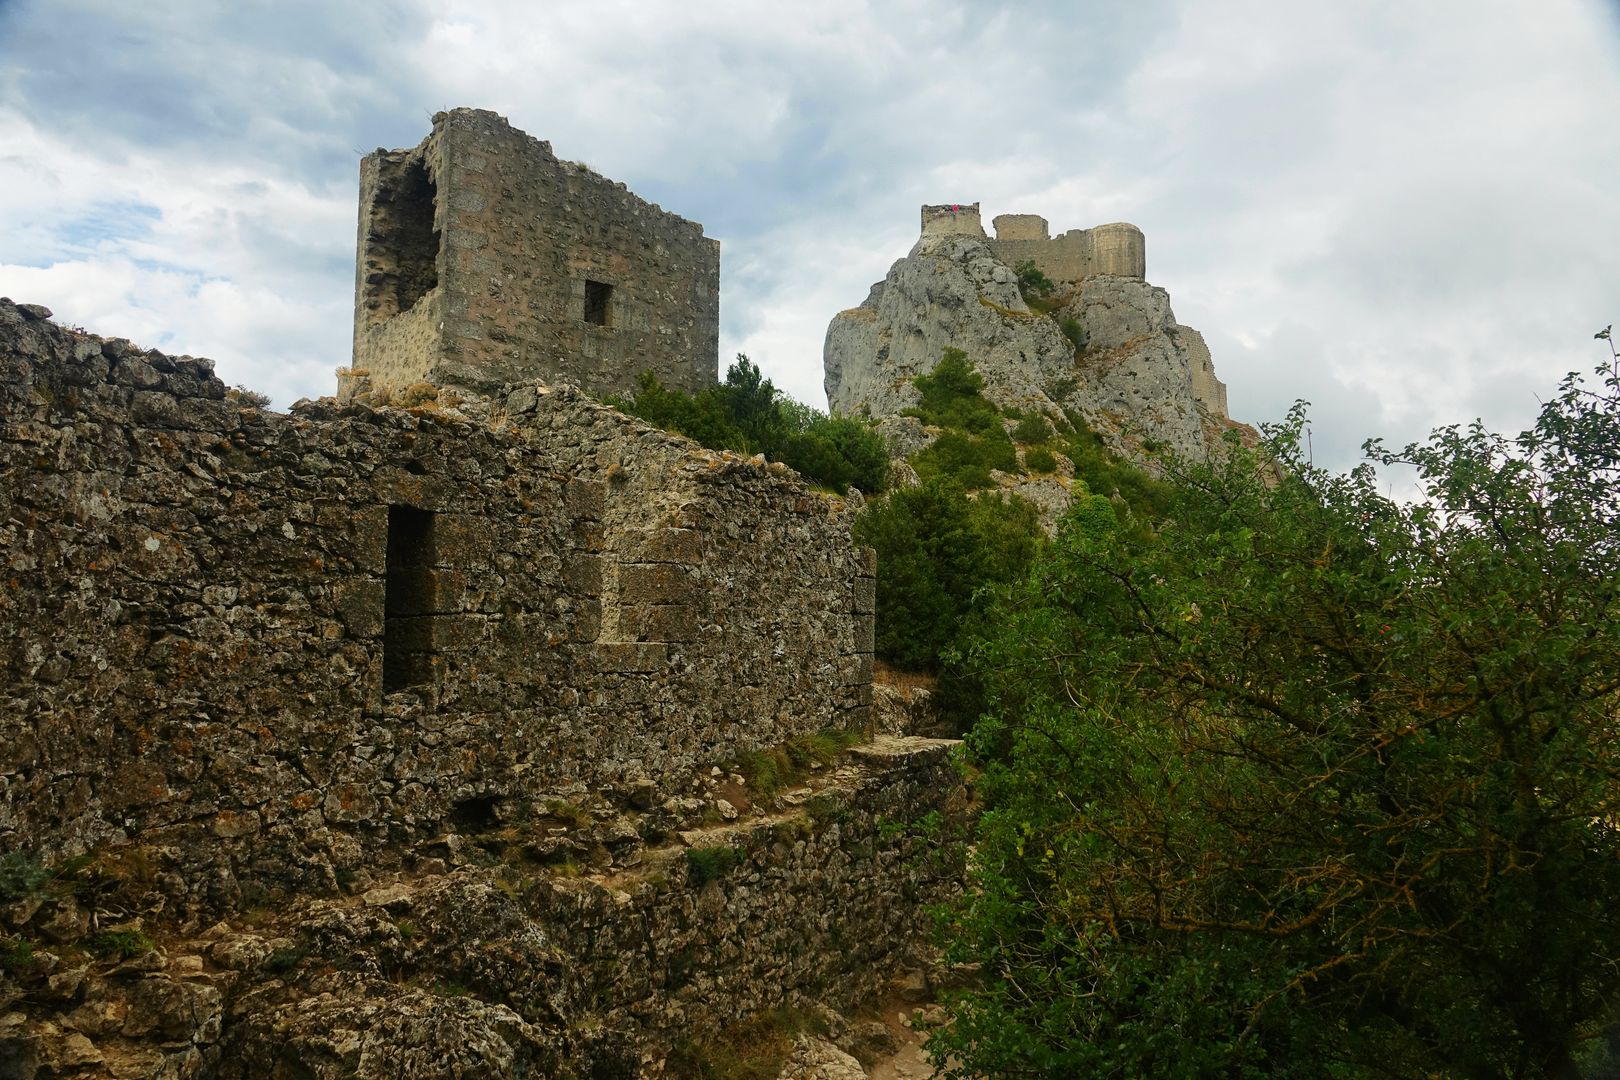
(1401, 211)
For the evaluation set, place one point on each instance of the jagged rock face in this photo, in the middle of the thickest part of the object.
(951, 291)
(1142, 381)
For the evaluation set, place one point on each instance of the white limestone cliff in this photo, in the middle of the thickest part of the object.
(1141, 380)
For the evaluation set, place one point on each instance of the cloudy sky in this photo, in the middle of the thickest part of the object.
(1404, 212)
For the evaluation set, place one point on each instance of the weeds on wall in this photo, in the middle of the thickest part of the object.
(771, 770)
(119, 945)
(706, 864)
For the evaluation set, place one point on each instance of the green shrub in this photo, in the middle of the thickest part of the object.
(1062, 388)
(1038, 459)
(21, 876)
(1141, 497)
(966, 460)
(706, 864)
(16, 956)
(838, 451)
(119, 944)
(935, 548)
(1033, 428)
(1032, 282)
(749, 415)
(952, 398)
(1074, 332)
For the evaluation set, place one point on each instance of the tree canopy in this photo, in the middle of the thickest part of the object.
(1307, 781)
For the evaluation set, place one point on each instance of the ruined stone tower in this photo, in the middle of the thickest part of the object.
(484, 259)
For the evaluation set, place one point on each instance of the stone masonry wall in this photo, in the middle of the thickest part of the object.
(492, 959)
(197, 596)
(1116, 250)
(823, 902)
(484, 259)
(952, 219)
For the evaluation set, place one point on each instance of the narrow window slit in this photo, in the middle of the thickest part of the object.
(408, 599)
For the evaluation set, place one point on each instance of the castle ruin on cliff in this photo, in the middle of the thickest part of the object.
(1114, 250)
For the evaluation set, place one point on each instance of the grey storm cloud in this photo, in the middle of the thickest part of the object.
(1399, 212)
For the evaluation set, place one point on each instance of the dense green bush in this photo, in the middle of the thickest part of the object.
(973, 441)
(1039, 459)
(952, 396)
(706, 864)
(1138, 494)
(1309, 782)
(1073, 331)
(1032, 281)
(936, 547)
(966, 460)
(1031, 428)
(746, 413)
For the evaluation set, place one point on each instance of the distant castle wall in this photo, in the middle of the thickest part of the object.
(952, 219)
(1117, 250)
(484, 259)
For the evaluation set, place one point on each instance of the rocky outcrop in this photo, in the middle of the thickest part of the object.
(951, 291)
(1139, 379)
(1142, 380)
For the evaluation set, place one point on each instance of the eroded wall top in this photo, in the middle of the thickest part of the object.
(952, 219)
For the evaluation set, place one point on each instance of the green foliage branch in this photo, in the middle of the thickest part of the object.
(936, 548)
(1309, 782)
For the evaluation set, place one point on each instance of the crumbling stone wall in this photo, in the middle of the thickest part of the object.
(952, 219)
(482, 963)
(1116, 250)
(483, 259)
(823, 903)
(197, 605)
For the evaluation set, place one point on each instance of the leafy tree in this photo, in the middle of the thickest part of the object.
(703, 418)
(952, 396)
(936, 547)
(1309, 782)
